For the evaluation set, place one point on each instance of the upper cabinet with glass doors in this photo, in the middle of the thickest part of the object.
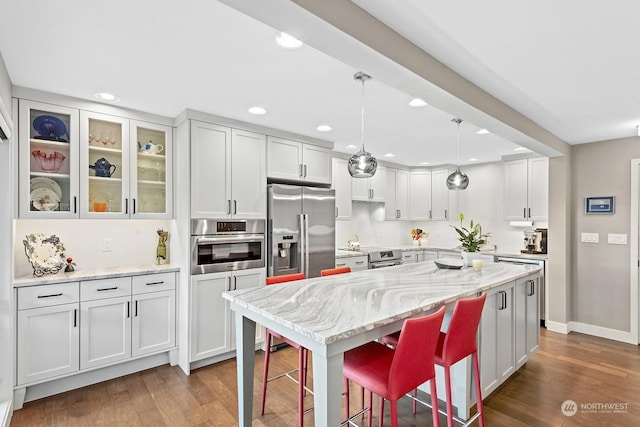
(48, 161)
(126, 168)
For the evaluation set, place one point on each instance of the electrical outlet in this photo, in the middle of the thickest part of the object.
(617, 239)
(107, 245)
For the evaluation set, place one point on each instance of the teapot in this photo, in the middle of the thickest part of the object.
(103, 168)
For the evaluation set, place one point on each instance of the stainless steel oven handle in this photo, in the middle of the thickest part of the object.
(384, 264)
(249, 238)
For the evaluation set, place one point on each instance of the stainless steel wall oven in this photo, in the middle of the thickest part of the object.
(227, 245)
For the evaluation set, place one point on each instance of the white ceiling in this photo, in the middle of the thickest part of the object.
(563, 67)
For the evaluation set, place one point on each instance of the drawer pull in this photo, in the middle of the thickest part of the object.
(155, 283)
(49, 296)
(358, 262)
(107, 289)
(75, 318)
(341, 265)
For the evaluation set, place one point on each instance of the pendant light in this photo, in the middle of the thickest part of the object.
(362, 164)
(457, 180)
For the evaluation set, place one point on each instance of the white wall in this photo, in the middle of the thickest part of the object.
(481, 202)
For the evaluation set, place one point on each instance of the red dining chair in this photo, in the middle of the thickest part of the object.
(456, 344)
(392, 373)
(337, 270)
(302, 356)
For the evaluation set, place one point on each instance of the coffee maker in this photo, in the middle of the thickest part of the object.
(535, 241)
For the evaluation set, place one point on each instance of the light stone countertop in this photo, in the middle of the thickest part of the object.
(341, 253)
(93, 274)
(329, 309)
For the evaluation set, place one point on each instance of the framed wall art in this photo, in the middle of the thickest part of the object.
(599, 205)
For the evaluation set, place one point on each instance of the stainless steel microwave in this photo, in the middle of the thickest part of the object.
(226, 245)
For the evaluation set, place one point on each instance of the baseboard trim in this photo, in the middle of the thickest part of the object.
(599, 331)
(5, 413)
(561, 328)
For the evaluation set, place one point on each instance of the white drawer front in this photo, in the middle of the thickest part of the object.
(154, 283)
(48, 295)
(355, 263)
(105, 288)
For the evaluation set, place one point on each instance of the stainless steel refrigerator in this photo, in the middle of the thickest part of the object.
(301, 230)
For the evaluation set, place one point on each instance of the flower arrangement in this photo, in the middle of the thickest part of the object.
(416, 234)
(470, 238)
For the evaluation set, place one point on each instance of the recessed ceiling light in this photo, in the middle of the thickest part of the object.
(258, 111)
(288, 42)
(106, 96)
(389, 155)
(424, 163)
(482, 132)
(324, 128)
(417, 102)
(473, 159)
(521, 149)
(351, 147)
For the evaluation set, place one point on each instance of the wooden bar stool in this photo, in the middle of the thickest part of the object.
(302, 356)
(393, 373)
(337, 270)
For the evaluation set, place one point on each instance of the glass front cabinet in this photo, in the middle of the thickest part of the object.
(48, 161)
(81, 164)
(126, 170)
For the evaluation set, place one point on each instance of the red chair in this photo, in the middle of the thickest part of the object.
(337, 270)
(393, 373)
(457, 343)
(302, 356)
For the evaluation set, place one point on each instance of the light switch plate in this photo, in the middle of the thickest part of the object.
(617, 239)
(589, 237)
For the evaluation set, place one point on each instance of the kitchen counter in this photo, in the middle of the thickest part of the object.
(330, 315)
(92, 274)
(342, 253)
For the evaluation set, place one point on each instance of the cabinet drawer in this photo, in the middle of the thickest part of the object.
(154, 283)
(355, 263)
(105, 288)
(48, 295)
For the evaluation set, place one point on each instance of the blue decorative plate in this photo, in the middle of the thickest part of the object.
(51, 128)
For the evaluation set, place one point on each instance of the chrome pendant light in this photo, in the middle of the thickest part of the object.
(362, 164)
(457, 180)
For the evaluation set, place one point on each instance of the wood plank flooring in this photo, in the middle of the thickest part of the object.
(591, 371)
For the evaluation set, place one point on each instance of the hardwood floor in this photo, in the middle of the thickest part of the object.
(591, 371)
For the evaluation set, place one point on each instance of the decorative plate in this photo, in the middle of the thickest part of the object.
(42, 182)
(51, 128)
(449, 263)
(45, 253)
(44, 199)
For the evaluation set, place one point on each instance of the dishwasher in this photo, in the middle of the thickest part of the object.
(542, 287)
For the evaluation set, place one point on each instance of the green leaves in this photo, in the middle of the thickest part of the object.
(470, 238)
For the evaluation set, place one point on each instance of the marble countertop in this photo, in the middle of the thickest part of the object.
(341, 253)
(103, 273)
(328, 309)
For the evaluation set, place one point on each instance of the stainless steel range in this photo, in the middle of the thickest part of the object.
(382, 257)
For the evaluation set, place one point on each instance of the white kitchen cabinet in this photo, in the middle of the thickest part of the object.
(126, 317)
(420, 194)
(211, 317)
(342, 186)
(48, 332)
(228, 172)
(526, 184)
(429, 255)
(497, 339)
(369, 189)
(355, 263)
(449, 254)
(396, 192)
(48, 153)
(439, 195)
(105, 316)
(298, 161)
(409, 257)
(527, 319)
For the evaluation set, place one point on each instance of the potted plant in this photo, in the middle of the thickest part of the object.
(470, 239)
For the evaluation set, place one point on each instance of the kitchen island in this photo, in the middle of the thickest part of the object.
(333, 314)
